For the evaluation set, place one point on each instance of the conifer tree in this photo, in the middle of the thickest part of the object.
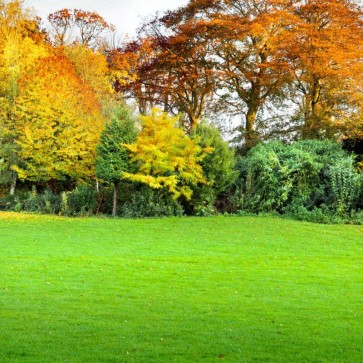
(113, 159)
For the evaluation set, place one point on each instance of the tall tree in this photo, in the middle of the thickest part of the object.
(173, 69)
(21, 44)
(112, 158)
(326, 48)
(248, 42)
(87, 26)
(91, 66)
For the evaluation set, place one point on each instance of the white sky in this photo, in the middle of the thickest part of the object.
(126, 15)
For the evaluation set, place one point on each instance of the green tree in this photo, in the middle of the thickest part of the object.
(113, 159)
(218, 167)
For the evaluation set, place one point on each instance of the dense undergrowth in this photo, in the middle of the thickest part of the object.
(314, 181)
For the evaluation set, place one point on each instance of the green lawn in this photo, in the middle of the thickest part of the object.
(232, 289)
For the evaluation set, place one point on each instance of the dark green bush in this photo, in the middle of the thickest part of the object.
(46, 202)
(148, 202)
(313, 180)
(81, 201)
(9, 202)
(32, 201)
(219, 170)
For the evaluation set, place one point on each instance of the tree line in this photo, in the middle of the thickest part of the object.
(264, 70)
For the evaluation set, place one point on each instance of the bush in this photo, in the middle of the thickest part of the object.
(46, 202)
(82, 201)
(218, 168)
(313, 180)
(148, 202)
(344, 186)
(265, 182)
(32, 201)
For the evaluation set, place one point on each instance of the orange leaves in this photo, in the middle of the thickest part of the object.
(91, 66)
(168, 67)
(326, 56)
(265, 48)
(58, 123)
(89, 26)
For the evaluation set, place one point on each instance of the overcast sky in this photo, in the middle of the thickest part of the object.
(126, 15)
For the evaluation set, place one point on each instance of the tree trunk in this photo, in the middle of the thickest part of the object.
(12, 185)
(251, 138)
(192, 122)
(311, 125)
(115, 195)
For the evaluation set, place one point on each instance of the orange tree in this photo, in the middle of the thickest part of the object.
(325, 55)
(246, 43)
(172, 69)
(86, 26)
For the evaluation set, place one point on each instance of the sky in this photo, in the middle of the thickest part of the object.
(126, 15)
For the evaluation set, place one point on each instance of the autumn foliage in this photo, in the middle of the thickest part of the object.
(58, 122)
(259, 70)
(166, 157)
(254, 60)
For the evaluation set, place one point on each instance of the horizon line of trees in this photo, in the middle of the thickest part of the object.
(280, 69)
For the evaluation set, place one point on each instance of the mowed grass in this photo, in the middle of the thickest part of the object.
(232, 289)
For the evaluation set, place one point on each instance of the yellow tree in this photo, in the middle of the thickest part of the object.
(58, 123)
(21, 44)
(166, 156)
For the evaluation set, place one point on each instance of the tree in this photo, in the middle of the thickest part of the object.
(166, 156)
(113, 159)
(89, 26)
(172, 69)
(325, 55)
(21, 44)
(91, 66)
(248, 42)
(58, 123)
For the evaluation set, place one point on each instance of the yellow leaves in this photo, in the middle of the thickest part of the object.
(91, 66)
(58, 123)
(167, 158)
(28, 134)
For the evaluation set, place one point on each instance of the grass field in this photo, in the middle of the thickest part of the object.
(232, 289)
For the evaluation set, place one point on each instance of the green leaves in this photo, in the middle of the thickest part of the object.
(112, 159)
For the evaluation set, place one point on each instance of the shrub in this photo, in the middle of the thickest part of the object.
(308, 174)
(344, 186)
(46, 202)
(218, 168)
(82, 201)
(148, 202)
(264, 180)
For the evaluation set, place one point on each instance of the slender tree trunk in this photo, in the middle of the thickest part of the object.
(115, 195)
(13, 185)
